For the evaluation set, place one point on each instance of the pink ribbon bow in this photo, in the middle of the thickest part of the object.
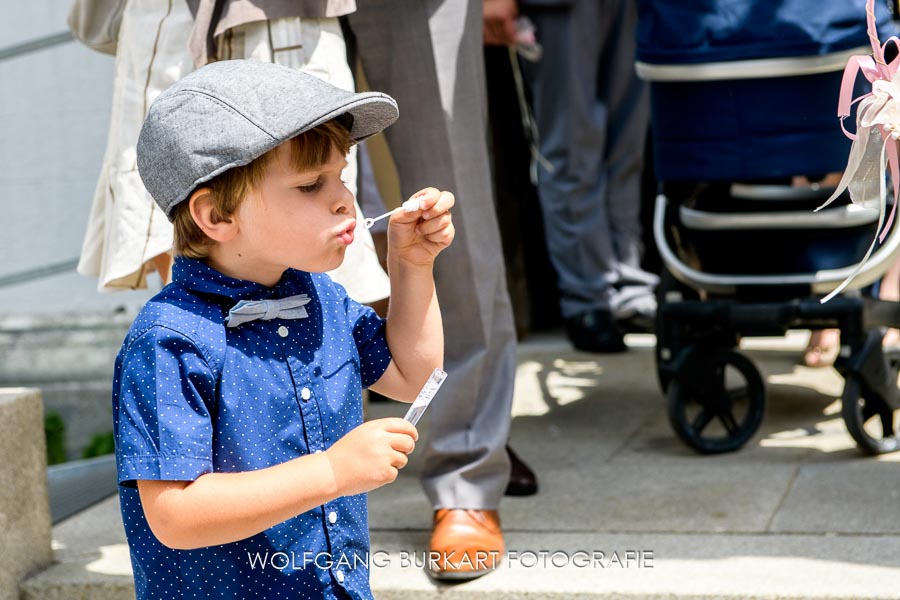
(878, 111)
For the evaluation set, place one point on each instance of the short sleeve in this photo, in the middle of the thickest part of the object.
(162, 398)
(371, 343)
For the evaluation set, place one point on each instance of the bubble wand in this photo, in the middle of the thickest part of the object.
(425, 396)
(411, 205)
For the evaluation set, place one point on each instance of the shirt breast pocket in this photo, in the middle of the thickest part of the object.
(340, 361)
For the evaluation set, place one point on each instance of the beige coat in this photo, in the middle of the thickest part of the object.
(126, 229)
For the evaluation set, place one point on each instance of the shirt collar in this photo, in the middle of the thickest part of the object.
(199, 277)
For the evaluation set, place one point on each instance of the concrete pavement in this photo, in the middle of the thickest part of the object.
(625, 510)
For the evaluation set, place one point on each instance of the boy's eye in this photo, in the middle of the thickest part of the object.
(309, 189)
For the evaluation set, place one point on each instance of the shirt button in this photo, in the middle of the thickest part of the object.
(317, 452)
(305, 394)
(340, 576)
(283, 331)
(332, 517)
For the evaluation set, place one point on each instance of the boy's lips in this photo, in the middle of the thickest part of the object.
(346, 234)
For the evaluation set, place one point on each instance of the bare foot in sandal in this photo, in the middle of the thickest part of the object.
(823, 347)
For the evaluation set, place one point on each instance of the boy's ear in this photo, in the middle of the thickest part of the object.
(208, 219)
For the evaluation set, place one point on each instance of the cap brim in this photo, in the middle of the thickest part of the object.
(372, 113)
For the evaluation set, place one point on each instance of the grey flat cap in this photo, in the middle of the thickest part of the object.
(228, 113)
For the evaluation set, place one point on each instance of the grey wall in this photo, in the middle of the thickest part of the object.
(54, 113)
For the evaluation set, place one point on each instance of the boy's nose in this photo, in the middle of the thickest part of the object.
(344, 201)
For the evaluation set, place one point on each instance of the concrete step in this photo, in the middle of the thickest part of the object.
(799, 513)
(93, 564)
(70, 359)
(60, 348)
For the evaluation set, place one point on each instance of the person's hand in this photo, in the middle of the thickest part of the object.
(371, 455)
(417, 237)
(500, 22)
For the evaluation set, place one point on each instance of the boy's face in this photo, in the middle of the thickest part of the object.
(300, 220)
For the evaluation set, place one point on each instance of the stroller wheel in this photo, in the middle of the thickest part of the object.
(872, 423)
(720, 410)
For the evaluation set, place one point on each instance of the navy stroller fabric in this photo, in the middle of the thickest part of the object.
(699, 31)
(746, 129)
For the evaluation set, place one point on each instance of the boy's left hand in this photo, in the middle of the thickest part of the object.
(417, 237)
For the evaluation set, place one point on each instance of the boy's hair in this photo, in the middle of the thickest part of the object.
(229, 189)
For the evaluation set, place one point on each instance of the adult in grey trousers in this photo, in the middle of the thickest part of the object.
(428, 55)
(592, 114)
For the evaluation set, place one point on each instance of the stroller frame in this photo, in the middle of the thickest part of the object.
(696, 339)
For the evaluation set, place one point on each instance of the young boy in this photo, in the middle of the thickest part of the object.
(242, 457)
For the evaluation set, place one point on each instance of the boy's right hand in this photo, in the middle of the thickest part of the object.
(371, 455)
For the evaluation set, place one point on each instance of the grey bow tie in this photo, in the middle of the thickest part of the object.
(250, 310)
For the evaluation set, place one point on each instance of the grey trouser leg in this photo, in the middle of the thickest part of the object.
(427, 54)
(591, 111)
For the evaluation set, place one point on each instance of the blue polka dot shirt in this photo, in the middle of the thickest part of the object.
(191, 396)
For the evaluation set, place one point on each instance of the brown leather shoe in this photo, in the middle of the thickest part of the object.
(465, 544)
(522, 480)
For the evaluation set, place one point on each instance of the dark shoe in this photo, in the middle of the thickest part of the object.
(637, 323)
(465, 544)
(637, 315)
(595, 331)
(522, 480)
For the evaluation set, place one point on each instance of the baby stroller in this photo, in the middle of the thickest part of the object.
(743, 98)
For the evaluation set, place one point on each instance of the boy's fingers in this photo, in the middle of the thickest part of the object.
(432, 203)
(444, 237)
(448, 198)
(434, 225)
(403, 443)
(399, 460)
(444, 203)
(442, 233)
(427, 197)
(398, 425)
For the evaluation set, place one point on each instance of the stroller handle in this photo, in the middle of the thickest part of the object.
(758, 68)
